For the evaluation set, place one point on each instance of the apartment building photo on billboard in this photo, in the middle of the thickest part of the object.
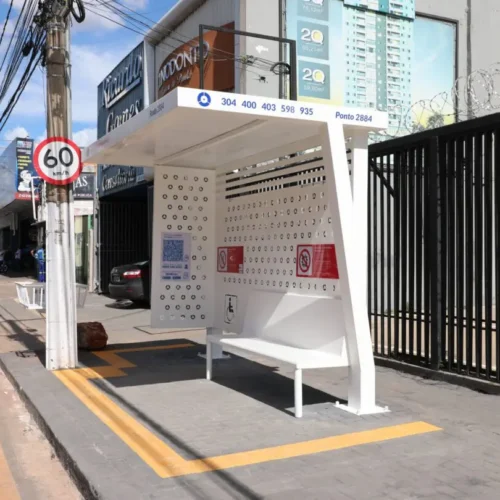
(374, 54)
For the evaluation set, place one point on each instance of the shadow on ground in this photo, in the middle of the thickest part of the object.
(163, 366)
(260, 382)
(20, 331)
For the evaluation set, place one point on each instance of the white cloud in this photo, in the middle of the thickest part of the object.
(85, 137)
(11, 134)
(85, 82)
(98, 18)
(90, 65)
(17, 3)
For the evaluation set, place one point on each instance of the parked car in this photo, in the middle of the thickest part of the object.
(131, 282)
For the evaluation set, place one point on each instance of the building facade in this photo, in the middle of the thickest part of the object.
(121, 229)
(400, 56)
(19, 190)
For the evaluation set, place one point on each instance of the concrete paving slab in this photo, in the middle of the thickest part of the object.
(248, 407)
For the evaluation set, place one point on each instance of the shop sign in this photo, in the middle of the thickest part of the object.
(121, 93)
(181, 67)
(84, 187)
(114, 178)
(122, 80)
(121, 96)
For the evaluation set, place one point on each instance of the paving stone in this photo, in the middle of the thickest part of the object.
(248, 406)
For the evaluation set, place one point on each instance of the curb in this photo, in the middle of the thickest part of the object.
(83, 485)
(478, 385)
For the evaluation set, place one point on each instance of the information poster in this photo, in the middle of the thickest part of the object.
(317, 261)
(230, 260)
(176, 256)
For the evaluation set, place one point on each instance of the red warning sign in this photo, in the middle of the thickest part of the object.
(317, 261)
(230, 260)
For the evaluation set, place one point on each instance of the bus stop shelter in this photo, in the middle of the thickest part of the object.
(260, 227)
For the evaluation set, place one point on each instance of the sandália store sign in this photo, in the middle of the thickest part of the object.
(181, 67)
(121, 96)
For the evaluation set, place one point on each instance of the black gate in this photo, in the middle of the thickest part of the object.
(434, 280)
(123, 233)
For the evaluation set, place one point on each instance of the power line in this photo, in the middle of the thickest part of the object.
(169, 31)
(6, 21)
(127, 17)
(27, 40)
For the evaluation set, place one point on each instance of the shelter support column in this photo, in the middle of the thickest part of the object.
(359, 177)
(298, 392)
(346, 230)
(209, 359)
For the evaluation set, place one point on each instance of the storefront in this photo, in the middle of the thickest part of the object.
(84, 190)
(18, 191)
(84, 194)
(353, 53)
(121, 229)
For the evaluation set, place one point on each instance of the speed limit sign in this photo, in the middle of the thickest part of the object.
(58, 161)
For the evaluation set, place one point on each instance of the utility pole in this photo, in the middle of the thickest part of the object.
(61, 341)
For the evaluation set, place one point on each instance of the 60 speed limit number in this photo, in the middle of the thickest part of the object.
(58, 161)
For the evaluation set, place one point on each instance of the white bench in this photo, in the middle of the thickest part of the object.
(294, 329)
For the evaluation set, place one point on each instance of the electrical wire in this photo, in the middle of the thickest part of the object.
(78, 10)
(169, 33)
(243, 64)
(6, 21)
(260, 76)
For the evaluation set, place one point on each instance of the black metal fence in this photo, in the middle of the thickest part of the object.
(434, 238)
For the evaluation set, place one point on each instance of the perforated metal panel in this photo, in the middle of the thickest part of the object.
(184, 208)
(270, 209)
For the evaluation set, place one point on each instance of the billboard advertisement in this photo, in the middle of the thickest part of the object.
(25, 169)
(375, 54)
(121, 96)
(181, 67)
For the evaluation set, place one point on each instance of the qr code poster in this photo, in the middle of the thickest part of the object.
(176, 256)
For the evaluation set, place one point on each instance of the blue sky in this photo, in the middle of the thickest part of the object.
(97, 46)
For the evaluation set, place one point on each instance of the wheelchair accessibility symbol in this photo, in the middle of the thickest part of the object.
(204, 99)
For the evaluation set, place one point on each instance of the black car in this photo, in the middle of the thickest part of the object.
(131, 282)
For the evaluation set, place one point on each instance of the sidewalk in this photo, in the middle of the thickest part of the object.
(139, 421)
(21, 329)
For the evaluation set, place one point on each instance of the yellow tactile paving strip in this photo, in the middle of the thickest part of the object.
(165, 461)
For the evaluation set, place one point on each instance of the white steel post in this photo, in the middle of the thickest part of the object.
(361, 395)
(359, 169)
(61, 343)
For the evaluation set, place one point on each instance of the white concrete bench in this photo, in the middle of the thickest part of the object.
(297, 330)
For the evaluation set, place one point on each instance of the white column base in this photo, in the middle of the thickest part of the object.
(217, 353)
(217, 350)
(369, 410)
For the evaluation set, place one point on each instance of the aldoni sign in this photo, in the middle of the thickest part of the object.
(181, 67)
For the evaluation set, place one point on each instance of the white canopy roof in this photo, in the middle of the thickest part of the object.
(204, 129)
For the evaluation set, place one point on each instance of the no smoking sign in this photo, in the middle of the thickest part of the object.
(317, 261)
(58, 161)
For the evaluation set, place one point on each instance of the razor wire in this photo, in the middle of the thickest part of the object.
(470, 97)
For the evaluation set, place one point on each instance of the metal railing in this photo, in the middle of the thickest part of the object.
(434, 237)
